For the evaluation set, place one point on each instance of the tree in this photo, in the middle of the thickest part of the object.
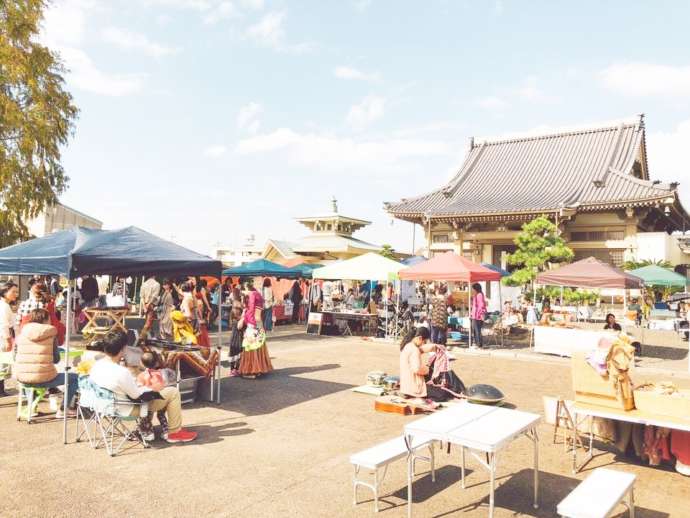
(387, 252)
(634, 265)
(538, 244)
(36, 118)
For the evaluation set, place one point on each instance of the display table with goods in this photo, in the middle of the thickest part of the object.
(653, 418)
(564, 341)
(480, 431)
(349, 323)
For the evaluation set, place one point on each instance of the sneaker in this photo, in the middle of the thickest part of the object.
(148, 436)
(234, 373)
(181, 435)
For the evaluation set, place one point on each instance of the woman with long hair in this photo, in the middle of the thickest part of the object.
(413, 369)
(267, 294)
(477, 314)
(255, 359)
(204, 312)
(166, 305)
(9, 292)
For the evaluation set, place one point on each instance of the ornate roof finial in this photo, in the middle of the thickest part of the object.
(335, 205)
(642, 119)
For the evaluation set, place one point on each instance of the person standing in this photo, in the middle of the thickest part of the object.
(150, 296)
(34, 301)
(267, 294)
(9, 292)
(166, 305)
(296, 298)
(236, 322)
(439, 316)
(255, 359)
(89, 291)
(478, 313)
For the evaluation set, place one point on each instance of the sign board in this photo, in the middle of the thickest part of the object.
(314, 323)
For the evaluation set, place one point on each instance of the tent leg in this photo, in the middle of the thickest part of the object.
(219, 368)
(469, 314)
(386, 308)
(311, 288)
(68, 324)
(500, 312)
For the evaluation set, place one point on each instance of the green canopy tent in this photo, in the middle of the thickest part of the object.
(654, 275)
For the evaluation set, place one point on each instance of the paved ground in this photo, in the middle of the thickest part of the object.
(279, 446)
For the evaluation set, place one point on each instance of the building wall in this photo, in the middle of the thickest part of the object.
(60, 217)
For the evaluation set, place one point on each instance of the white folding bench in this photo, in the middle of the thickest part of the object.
(599, 494)
(381, 455)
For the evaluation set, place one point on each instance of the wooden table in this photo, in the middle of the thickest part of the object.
(367, 319)
(479, 429)
(630, 416)
(114, 315)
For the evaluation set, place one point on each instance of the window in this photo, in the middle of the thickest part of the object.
(611, 256)
(616, 235)
(598, 235)
(440, 238)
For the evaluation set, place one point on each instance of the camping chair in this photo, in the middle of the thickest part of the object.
(106, 418)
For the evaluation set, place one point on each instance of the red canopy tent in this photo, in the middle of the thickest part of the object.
(450, 267)
(590, 273)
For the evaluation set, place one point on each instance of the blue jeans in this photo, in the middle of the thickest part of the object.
(268, 319)
(477, 332)
(59, 380)
(438, 335)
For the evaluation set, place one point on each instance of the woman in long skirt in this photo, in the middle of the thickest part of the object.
(255, 359)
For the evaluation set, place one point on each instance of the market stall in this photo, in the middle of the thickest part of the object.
(450, 267)
(587, 273)
(79, 251)
(365, 268)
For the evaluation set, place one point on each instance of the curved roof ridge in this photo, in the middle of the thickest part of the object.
(645, 183)
(558, 134)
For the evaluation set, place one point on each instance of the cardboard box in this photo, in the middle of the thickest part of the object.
(593, 389)
(664, 405)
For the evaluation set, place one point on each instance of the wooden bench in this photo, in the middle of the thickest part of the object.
(381, 455)
(599, 494)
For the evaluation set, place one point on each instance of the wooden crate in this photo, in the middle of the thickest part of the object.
(593, 389)
(660, 404)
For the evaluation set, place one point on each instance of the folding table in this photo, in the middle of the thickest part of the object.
(115, 315)
(478, 429)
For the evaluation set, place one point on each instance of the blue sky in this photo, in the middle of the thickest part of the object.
(208, 120)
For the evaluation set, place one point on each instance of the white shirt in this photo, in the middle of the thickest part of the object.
(150, 291)
(118, 380)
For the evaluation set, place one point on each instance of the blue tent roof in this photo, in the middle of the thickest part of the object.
(496, 269)
(263, 268)
(307, 269)
(81, 251)
(415, 259)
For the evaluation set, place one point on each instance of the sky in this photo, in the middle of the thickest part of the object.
(205, 121)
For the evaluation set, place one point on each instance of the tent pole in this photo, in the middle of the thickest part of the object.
(386, 307)
(500, 310)
(311, 287)
(469, 313)
(68, 323)
(220, 339)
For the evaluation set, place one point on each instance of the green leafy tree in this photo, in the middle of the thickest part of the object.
(634, 265)
(538, 244)
(387, 252)
(36, 119)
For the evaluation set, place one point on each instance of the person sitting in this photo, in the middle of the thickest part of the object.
(109, 374)
(413, 370)
(155, 377)
(611, 323)
(37, 352)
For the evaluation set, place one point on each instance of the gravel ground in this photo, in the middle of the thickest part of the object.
(279, 446)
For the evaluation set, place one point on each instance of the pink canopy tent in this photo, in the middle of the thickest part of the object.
(450, 267)
(590, 273)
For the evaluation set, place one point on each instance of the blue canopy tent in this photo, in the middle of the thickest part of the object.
(307, 269)
(80, 251)
(495, 268)
(263, 268)
(415, 259)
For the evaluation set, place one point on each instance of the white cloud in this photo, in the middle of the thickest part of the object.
(257, 5)
(668, 153)
(128, 40)
(530, 91)
(248, 118)
(269, 32)
(63, 31)
(366, 112)
(492, 103)
(215, 151)
(334, 153)
(86, 76)
(647, 79)
(353, 74)
(222, 11)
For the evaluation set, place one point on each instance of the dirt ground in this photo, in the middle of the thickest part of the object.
(279, 446)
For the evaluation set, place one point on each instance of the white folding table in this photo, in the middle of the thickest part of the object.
(479, 429)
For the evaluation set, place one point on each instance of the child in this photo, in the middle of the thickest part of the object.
(156, 378)
(237, 325)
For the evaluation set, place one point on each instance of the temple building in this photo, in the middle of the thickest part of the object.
(330, 238)
(593, 183)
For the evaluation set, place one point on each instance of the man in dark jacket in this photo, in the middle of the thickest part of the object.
(296, 298)
(89, 290)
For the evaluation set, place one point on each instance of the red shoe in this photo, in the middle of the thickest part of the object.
(181, 435)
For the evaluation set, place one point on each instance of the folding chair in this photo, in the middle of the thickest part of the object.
(110, 422)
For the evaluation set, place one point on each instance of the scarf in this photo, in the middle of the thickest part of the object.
(441, 361)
